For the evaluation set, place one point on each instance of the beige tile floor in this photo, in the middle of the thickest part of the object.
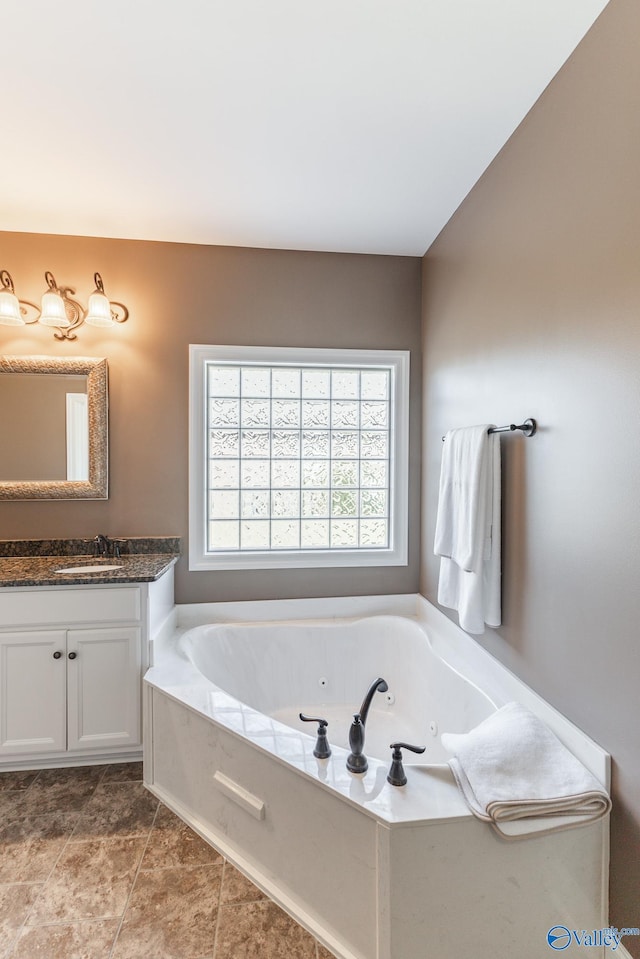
(92, 866)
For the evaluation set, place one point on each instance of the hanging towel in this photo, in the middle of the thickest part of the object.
(467, 536)
(516, 774)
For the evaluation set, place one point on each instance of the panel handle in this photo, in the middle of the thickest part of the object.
(234, 791)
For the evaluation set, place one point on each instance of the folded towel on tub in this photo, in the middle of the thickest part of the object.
(516, 774)
(467, 535)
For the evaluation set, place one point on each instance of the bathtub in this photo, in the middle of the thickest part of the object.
(324, 669)
(373, 871)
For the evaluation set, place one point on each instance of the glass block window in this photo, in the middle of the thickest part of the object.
(297, 457)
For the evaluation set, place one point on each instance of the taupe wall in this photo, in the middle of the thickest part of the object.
(180, 294)
(531, 307)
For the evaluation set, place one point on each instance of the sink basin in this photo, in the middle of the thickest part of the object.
(71, 570)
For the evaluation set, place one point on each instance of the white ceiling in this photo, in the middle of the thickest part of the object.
(343, 125)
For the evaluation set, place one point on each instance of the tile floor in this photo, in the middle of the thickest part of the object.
(92, 866)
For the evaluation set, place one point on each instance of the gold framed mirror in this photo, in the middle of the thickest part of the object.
(54, 428)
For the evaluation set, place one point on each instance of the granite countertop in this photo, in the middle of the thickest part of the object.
(34, 562)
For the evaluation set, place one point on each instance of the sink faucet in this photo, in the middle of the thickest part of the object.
(357, 761)
(101, 545)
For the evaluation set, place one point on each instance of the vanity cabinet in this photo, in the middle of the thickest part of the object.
(69, 689)
(71, 666)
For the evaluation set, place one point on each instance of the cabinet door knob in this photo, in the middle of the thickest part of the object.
(57, 654)
(72, 655)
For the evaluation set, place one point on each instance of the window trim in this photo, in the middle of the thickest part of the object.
(395, 555)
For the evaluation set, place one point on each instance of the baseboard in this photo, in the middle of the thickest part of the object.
(61, 760)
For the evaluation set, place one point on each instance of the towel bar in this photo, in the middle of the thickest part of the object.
(529, 428)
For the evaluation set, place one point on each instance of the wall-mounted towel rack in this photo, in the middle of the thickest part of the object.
(529, 427)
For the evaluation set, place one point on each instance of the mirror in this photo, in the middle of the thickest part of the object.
(53, 429)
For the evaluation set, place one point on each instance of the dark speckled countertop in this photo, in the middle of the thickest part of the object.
(34, 562)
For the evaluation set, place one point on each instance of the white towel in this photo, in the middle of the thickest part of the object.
(517, 775)
(467, 536)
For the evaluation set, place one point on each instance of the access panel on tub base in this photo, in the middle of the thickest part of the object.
(440, 887)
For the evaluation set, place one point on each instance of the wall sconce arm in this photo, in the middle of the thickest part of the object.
(59, 308)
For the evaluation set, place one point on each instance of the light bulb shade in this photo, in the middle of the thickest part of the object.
(54, 312)
(99, 313)
(10, 309)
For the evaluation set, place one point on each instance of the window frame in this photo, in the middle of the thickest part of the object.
(396, 554)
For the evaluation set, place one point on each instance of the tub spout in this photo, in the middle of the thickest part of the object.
(379, 686)
(357, 761)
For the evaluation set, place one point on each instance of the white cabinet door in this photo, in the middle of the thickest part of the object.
(103, 675)
(33, 712)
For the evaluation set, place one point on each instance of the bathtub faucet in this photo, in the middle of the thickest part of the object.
(357, 761)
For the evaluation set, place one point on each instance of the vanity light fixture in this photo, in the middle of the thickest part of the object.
(58, 308)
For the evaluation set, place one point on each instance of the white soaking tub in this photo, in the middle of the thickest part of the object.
(374, 871)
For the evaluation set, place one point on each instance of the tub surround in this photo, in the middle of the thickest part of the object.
(25, 563)
(252, 787)
(432, 792)
(450, 643)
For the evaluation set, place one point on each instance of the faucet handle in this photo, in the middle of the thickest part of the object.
(100, 545)
(397, 775)
(322, 749)
(116, 547)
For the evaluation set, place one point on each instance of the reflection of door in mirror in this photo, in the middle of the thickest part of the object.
(77, 436)
(44, 434)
